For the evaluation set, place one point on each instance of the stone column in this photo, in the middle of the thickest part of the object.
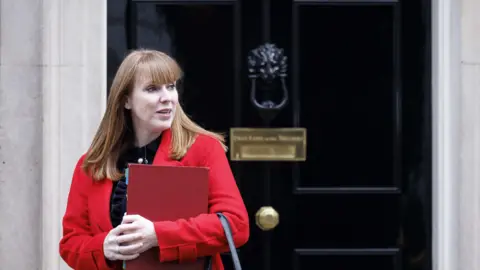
(74, 98)
(456, 134)
(469, 183)
(20, 134)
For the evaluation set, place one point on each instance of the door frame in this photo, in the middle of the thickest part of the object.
(446, 140)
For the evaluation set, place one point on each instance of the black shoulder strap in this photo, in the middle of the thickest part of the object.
(231, 244)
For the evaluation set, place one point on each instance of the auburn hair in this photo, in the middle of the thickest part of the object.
(115, 132)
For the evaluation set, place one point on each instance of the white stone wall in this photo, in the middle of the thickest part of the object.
(20, 134)
(469, 182)
(52, 96)
(456, 134)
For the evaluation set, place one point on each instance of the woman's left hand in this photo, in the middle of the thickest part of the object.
(146, 229)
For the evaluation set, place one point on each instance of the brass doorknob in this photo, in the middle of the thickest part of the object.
(267, 218)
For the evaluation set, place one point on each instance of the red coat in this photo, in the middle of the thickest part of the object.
(86, 222)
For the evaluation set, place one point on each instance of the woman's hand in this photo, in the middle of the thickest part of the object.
(145, 228)
(122, 243)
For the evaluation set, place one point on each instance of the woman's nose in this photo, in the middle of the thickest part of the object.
(165, 96)
(164, 99)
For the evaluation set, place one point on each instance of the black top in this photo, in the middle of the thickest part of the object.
(145, 155)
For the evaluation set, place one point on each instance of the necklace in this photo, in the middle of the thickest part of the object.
(143, 160)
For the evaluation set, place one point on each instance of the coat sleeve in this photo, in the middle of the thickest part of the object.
(187, 239)
(79, 248)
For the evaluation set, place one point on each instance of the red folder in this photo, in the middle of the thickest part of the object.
(161, 193)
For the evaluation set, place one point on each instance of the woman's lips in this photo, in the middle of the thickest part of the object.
(164, 113)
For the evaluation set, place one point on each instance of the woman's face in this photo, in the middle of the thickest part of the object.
(152, 106)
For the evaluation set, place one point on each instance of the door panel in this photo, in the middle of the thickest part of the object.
(357, 80)
(351, 111)
(200, 35)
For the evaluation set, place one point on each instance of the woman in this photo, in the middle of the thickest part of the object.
(145, 123)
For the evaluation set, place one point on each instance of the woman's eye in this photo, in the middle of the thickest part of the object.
(151, 88)
(171, 86)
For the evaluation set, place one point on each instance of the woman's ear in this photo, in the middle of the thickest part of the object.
(128, 106)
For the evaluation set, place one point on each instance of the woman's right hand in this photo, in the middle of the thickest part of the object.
(120, 244)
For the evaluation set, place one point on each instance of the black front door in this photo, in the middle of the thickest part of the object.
(356, 77)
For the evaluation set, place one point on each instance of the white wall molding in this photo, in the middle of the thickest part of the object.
(74, 99)
(456, 133)
(446, 132)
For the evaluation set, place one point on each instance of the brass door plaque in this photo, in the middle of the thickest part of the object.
(268, 144)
